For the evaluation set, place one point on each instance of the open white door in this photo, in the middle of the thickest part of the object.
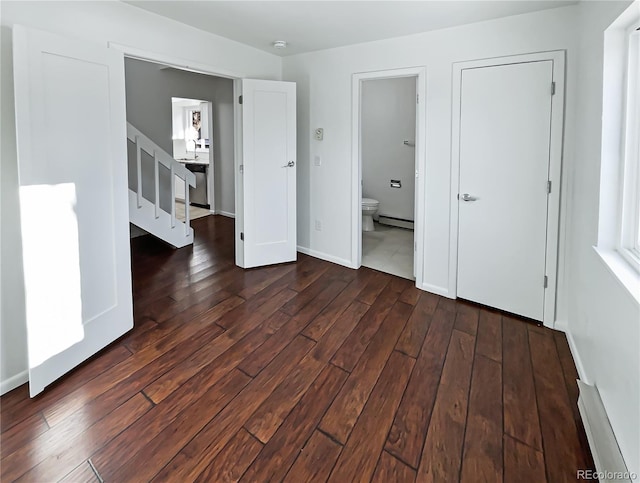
(72, 160)
(268, 172)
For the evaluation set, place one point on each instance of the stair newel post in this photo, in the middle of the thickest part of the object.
(139, 171)
(156, 180)
(186, 205)
(173, 195)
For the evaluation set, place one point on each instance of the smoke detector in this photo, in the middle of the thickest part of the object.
(280, 44)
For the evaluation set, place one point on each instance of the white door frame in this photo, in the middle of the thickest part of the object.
(555, 169)
(211, 187)
(420, 163)
(207, 69)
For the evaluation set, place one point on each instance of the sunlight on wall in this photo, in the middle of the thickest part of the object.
(51, 269)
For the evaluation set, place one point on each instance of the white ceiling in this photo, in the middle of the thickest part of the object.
(316, 25)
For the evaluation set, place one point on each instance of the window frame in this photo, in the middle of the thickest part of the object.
(628, 242)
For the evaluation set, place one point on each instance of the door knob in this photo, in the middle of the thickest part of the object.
(290, 164)
(466, 197)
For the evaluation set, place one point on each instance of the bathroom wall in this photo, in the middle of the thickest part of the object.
(150, 88)
(388, 117)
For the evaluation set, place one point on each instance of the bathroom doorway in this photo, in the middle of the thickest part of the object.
(390, 154)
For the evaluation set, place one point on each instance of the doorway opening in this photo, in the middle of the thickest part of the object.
(192, 139)
(389, 155)
(190, 116)
(387, 136)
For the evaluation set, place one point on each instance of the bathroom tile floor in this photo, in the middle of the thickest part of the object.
(389, 249)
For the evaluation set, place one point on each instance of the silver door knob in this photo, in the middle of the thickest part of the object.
(290, 164)
(466, 197)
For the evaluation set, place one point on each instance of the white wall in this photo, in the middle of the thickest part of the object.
(603, 318)
(324, 100)
(13, 331)
(150, 88)
(388, 117)
(99, 22)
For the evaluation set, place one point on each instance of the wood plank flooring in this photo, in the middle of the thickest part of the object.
(300, 372)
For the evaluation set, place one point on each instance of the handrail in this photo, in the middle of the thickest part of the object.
(161, 157)
(165, 159)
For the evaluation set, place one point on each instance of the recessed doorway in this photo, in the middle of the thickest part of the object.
(387, 137)
(389, 155)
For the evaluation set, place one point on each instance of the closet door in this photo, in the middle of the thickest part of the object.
(505, 135)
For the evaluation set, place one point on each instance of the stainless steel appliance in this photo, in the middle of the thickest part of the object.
(198, 195)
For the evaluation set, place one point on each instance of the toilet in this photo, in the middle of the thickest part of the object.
(369, 208)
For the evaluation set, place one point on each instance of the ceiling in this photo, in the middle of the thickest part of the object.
(317, 25)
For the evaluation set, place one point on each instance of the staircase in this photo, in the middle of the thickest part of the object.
(152, 200)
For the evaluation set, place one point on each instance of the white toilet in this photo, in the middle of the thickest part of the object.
(369, 208)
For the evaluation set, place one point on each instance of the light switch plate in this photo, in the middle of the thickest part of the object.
(316, 161)
(319, 134)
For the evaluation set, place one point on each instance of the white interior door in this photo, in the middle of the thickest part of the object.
(268, 172)
(505, 124)
(72, 160)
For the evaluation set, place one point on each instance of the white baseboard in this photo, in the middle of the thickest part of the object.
(13, 382)
(228, 214)
(582, 374)
(385, 220)
(444, 292)
(324, 256)
(602, 441)
(561, 325)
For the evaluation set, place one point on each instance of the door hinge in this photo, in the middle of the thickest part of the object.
(240, 100)
(417, 98)
(546, 281)
(548, 187)
(242, 236)
(553, 88)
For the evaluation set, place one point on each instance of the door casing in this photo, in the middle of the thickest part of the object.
(356, 163)
(208, 69)
(555, 169)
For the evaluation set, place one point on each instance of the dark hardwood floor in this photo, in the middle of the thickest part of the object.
(300, 372)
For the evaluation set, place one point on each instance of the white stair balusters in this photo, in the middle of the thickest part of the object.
(150, 214)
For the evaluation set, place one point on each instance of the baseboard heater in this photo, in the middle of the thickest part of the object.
(610, 465)
(393, 221)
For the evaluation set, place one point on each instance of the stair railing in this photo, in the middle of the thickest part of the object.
(161, 157)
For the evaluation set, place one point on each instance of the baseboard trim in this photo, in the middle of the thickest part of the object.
(442, 291)
(228, 214)
(582, 374)
(400, 223)
(325, 256)
(602, 440)
(13, 382)
(561, 325)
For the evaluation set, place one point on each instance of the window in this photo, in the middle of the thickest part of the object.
(629, 232)
(619, 215)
